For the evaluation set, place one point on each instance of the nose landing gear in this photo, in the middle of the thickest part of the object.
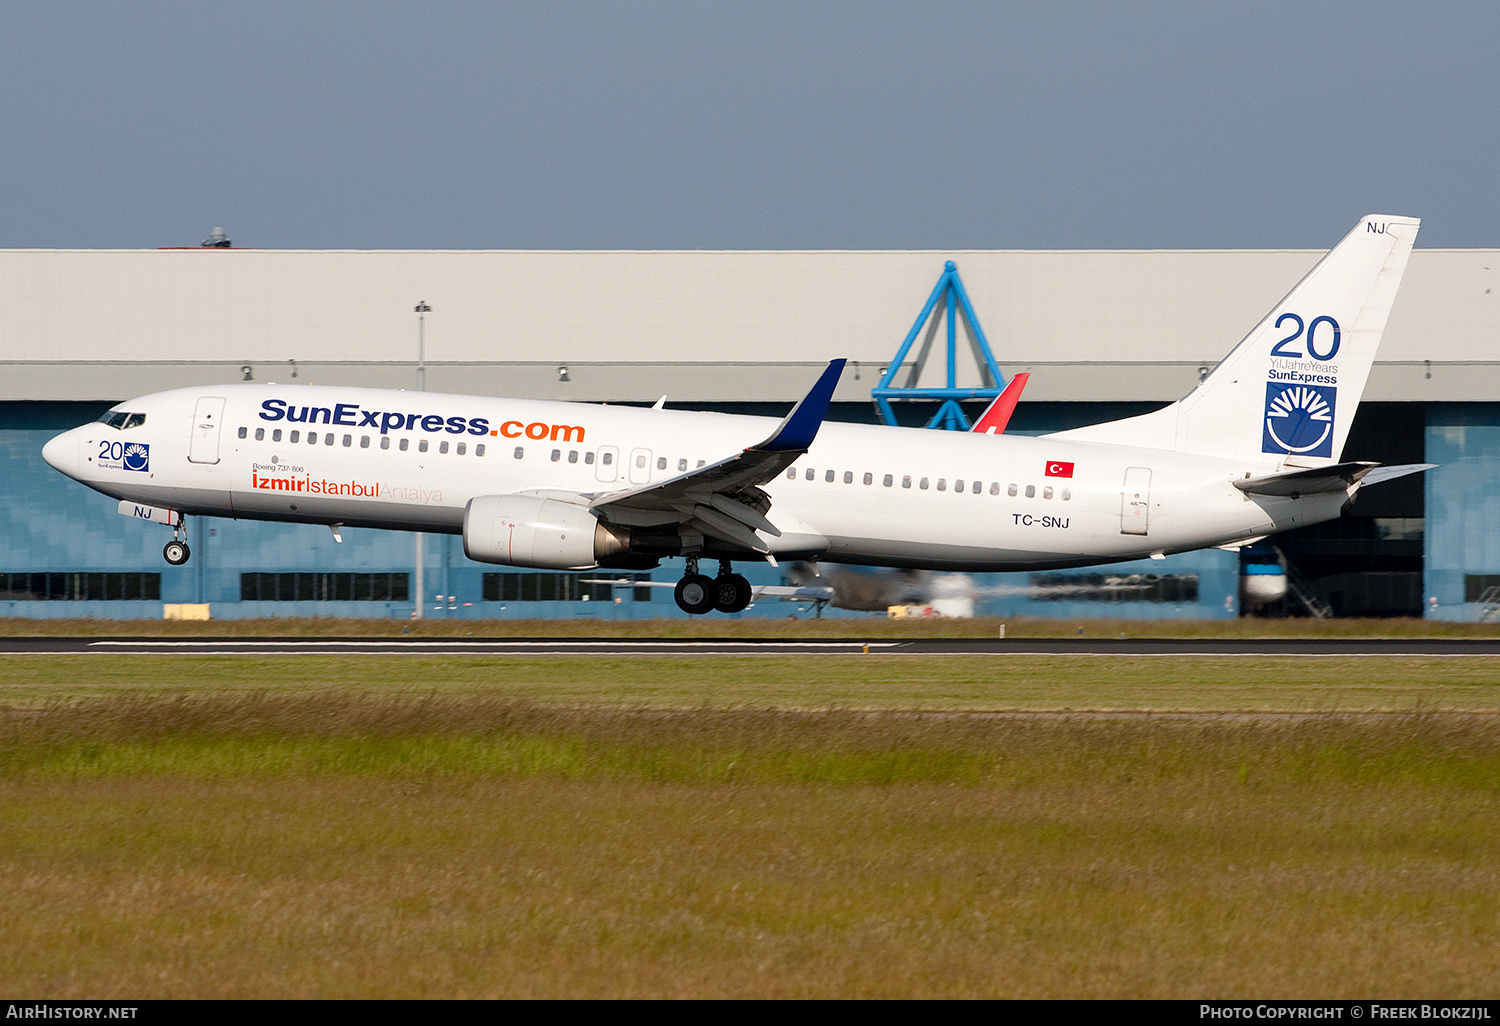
(176, 551)
(697, 593)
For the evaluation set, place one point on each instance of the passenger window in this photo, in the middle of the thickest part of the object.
(848, 477)
(556, 455)
(479, 449)
(702, 462)
(461, 448)
(994, 487)
(1067, 494)
(1047, 492)
(244, 432)
(828, 476)
(811, 473)
(681, 465)
(422, 445)
(906, 481)
(294, 437)
(403, 444)
(348, 441)
(572, 455)
(640, 461)
(661, 463)
(260, 434)
(958, 485)
(942, 484)
(869, 478)
(791, 473)
(922, 484)
(520, 452)
(888, 480)
(608, 458)
(1031, 491)
(276, 435)
(364, 441)
(588, 458)
(328, 438)
(385, 441)
(1010, 490)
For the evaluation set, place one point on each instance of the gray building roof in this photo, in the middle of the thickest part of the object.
(699, 326)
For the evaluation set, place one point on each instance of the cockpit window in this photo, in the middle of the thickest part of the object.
(122, 420)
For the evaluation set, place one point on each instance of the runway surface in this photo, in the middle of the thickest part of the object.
(1136, 647)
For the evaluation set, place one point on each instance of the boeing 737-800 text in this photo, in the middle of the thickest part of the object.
(1254, 449)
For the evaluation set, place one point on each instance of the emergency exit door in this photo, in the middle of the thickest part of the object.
(207, 415)
(1135, 501)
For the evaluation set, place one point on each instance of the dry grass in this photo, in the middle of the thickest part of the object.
(871, 627)
(343, 844)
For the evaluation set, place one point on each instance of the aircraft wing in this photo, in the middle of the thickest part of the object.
(994, 419)
(723, 499)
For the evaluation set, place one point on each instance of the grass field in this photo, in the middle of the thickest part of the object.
(833, 826)
(853, 681)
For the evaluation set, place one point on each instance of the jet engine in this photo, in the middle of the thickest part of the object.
(535, 531)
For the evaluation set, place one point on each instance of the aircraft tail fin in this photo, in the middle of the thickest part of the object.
(1287, 393)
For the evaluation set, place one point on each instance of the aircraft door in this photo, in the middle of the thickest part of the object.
(607, 463)
(640, 466)
(203, 447)
(1135, 501)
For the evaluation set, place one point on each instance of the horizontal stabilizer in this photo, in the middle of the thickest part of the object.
(1307, 482)
(1380, 474)
(1327, 479)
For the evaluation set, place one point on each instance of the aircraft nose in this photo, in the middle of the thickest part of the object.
(61, 454)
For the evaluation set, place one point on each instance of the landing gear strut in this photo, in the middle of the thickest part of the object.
(697, 593)
(176, 551)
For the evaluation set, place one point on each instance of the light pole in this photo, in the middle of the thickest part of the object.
(422, 310)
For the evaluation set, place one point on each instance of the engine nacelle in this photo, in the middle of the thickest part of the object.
(529, 530)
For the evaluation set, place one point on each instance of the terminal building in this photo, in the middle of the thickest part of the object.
(1102, 334)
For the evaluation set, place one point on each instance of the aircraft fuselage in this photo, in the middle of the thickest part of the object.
(861, 494)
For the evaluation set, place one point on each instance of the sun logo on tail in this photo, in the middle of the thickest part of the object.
(1299, 419)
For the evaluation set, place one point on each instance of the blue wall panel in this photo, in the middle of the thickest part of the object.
(1463, 504)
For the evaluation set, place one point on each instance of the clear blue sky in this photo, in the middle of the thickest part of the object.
(748, 125)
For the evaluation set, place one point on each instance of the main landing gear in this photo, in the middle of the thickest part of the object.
(177, 551)
(697, 593)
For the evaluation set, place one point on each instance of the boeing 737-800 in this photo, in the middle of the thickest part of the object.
(1252, 450)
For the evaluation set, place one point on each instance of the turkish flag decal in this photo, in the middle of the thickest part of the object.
(1059, 469)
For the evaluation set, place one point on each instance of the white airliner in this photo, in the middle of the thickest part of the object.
(1254, 449)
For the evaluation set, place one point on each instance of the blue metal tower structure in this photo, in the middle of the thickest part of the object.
(950, 415)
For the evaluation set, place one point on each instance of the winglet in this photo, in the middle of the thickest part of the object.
(994, 419)
(797, 431)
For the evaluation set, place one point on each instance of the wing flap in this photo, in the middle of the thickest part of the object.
(723, 498)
